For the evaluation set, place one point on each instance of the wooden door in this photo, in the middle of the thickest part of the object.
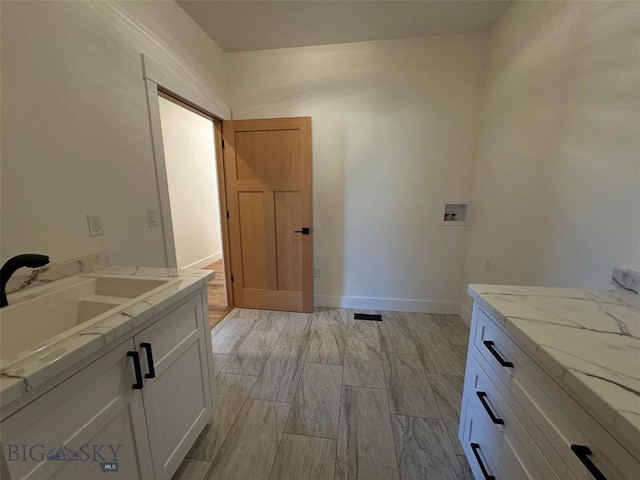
(268, 186)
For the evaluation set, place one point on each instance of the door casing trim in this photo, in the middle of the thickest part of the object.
(159, 82)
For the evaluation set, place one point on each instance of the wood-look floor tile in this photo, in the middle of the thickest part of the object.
(296, 332)
(424, 450)
(250, 449)
(254, 313)
(453, 328)
(437, 355)
(421, 321)
(219, 361)
(230, 335)
(408, 387)
(307, 458)
(231, 391)
(361, 328)
(395, 335)
(462, 352)
(191, 469)
(465, 468)
(363, 363)
(351, 326)
(292, 316)
(252, 353)
(365, 442)
(316, 406)
(220, 325)
(326, 344)
(274, 321)
(333, 316)
(448, 392)
(280, 375)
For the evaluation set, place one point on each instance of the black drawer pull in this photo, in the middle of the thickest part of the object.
(583, 452)
(482, 396)
(136, 366)
(474, 448)
(490, 346)
(152, 367)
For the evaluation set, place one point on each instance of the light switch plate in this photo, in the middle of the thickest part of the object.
(152, 217)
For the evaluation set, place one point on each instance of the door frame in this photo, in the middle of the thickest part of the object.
(160, 82)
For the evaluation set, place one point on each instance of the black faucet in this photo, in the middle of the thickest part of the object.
(31, 260)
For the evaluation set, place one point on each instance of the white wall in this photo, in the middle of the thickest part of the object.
(75, 127)
(556, 191)
(394, 134)
(190, 157)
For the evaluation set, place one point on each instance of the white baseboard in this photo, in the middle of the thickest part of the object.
(206, 261)
(465, 314)
(386, 304)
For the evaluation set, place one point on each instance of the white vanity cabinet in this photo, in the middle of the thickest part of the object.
(177, 402)
(96, 406)
(519, 422)
(133, 413)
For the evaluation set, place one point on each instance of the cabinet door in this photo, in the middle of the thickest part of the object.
(89, 424)
(177, 401)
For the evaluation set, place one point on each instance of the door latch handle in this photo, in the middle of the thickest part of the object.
(304, 231)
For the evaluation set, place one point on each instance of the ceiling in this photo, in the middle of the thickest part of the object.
(239, 25)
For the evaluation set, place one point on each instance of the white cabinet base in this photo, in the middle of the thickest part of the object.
(95, 415)
(524, 422)
(111, 418)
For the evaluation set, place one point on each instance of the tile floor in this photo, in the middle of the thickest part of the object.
(323, 396)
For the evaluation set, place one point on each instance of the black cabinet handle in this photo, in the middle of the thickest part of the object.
(150, 364)
(304, 231)
(490, 346)
(474, 448)
(136, 366)
(583, 452)
(482, 396)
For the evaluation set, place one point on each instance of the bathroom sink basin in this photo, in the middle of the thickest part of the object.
(32, 324)
(125, 287)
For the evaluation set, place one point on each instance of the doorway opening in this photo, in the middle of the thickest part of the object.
(190, 138)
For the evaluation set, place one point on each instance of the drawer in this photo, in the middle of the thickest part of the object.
(561, 420)
(497, 414)
(481, 446)
(531, 428)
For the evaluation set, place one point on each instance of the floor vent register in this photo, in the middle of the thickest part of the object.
(368, 316)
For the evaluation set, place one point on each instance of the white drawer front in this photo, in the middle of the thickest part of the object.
(481, 447)
(496, 412)
(562, 421)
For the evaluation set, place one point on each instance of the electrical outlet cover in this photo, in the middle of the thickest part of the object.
(95, 225)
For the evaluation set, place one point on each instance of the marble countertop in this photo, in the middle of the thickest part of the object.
(52, 359)
(588, 340)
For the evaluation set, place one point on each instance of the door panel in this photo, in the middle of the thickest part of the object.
(268, 155)
(288, 244)
(268, 186)
(253, 239)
